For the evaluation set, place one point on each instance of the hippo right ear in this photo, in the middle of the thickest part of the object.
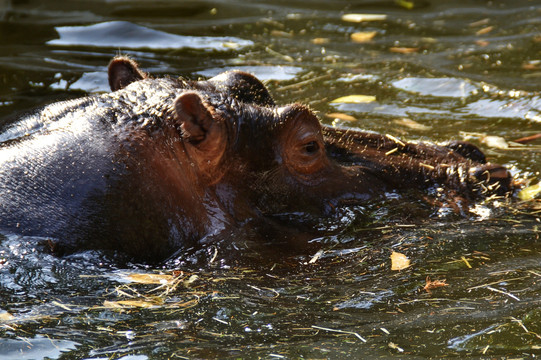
(122, 72)
(194, 116)
(205, 133)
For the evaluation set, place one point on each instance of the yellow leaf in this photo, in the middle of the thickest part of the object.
(279, 33)
(411, 124)
(341, 116)
(354, 99)
(485, 30)
(496, 142)
(399, 261)
(362, 37)
(530, 192)
(129, 303)
(405, 4)
(357, 18)
(404, 50)
(159, 279)
(320, 41)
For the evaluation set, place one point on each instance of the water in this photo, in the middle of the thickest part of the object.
(440, 71)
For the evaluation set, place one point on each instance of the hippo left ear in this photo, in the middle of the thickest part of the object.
(122, 72)
(194, 116)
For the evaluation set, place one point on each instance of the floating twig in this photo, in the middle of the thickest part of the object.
(497, 282)
(502, 292)
(466, 262)
(341, 332)
(527, 139)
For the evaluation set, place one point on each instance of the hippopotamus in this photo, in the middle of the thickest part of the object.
(159, 164)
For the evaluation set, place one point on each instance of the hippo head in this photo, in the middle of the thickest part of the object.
(282, 160)
(235, 155)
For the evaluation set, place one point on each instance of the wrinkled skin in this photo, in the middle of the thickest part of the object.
(159, 164)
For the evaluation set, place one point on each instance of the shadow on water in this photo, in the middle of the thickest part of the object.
(438, 70)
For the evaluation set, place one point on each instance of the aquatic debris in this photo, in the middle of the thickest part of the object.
(341, 116)
(481, 22)
(404, 50)
(279, 55)
(159, 279)
(280, 33)
(408, 5)
(357, 18)
(412, 124)
(341, 332)
(395, 347)
(363, 37)
(303, 83)
(527, 139)
(122, 304)
(484, 30)
(502, 292)
(466, 262)
(495, 142)
(354, 99)
(316, 257)
(320, 41)
(60, 305)
(399, 261)
(530, 192)
(434, 284)
(5, 316)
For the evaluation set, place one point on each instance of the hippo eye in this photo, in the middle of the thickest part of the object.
(311, 148)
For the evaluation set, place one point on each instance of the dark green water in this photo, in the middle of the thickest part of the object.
(439, 71)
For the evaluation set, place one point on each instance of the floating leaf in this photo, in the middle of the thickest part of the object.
(130, 303)
(409, 5)
(393, 346)
(321, 41)
(362, 37)
(354, 99)
(341, 116)
(159, 279)
(399, 261)
(5, 316)
(434, 284)
(279, 33)
(404, 50)
(411, 124)
(482, 43)
(496, 142)
(484, 30)
(363, 17)
(530, 192)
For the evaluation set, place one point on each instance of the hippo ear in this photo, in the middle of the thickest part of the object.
(194, 116)
(122, 72)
